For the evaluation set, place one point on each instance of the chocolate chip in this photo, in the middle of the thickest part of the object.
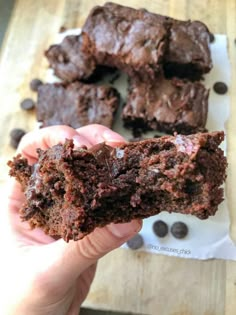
(160, 228)
(16, 134)
(212, 37)
(27, 104)
(135, 242)
(62, 29)
(157, 136)
(35, 84)
(220, 88)
(179, 230)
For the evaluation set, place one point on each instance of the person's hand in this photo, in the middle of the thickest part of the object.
(44, 276)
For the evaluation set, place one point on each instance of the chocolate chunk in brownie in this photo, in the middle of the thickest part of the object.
(68, 61)
(188, 54)
(69, 191)
(135, 242)
(76, 104)
(220, 88)
(179, 230)
(166, 105)
(15, 137)
(27, 104)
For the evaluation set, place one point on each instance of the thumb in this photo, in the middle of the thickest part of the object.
(69, 260)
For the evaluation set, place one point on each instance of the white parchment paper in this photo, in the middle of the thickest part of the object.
(206, 238)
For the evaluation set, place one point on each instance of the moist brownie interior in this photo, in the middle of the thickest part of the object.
(69, 192)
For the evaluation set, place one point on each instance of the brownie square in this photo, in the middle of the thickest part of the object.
(76, 104)
(68, 61)
(69, 192)
(188, 54)
(166, 106)
(131, 40)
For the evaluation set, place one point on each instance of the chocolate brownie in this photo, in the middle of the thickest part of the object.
(166, 105)
(68, 61)
(76, 104)
(69, 191)
(188, 53)
(131, 40)
(135, 41)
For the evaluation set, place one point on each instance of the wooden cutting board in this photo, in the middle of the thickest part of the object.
(125, 281)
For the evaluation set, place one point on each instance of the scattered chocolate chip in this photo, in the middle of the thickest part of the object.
(16, 134)
(220, 88)
(179, 230)
(27, 104)
(62, 29)
(212, 37)
(157, 136)
(160, 228)
(135, 242)
(35, 84)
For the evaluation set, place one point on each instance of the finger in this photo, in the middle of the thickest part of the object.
(46, 138)
(97, 133)
(69, 260)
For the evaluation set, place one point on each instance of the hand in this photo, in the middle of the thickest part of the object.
(44, 276)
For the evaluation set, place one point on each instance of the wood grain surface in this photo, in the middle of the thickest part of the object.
(126, 281)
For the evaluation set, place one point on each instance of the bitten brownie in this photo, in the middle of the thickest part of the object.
(76, 104)
(69, 192)
(166, 105)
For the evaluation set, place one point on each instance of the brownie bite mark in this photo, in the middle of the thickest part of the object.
(188, 54)
(166, 105)
(122, 37)
(76, 104)
(68, 61)
(69, 192)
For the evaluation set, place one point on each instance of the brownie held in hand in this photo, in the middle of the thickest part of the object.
(76, 104)
(166, 105)
(69, 192)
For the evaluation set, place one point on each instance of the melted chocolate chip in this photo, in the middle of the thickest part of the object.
(16, 134)
(135, 242)
(179, 230)
(220, 88)
(160, 228)
(35, 84)
(27, 104)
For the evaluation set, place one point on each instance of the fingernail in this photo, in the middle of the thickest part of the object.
(122, 230)
(111, 136)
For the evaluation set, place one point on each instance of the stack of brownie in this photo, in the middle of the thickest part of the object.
(163, 57)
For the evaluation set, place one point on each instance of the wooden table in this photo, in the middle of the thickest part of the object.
(126, 281)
